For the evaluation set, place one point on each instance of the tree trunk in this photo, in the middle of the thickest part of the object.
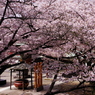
(52, 84)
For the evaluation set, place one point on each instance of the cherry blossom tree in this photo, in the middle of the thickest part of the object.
(60, 30)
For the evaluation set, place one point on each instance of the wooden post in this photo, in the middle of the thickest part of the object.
(35, 68)
(31, 79)
(23, 84)
(38, 75)
(10, 78)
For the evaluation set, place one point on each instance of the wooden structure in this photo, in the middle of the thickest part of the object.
(23, 75)
(38, 74)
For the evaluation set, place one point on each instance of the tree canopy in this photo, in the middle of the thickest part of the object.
(60, 30)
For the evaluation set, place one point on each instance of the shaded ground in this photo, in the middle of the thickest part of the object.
(67, 86)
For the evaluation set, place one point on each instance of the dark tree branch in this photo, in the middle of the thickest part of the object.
(12, 10)
(78, 14)
(8, 45)
(81, 83)
(15, 32)
(6, 66)
(2, 18)
(71, 74)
